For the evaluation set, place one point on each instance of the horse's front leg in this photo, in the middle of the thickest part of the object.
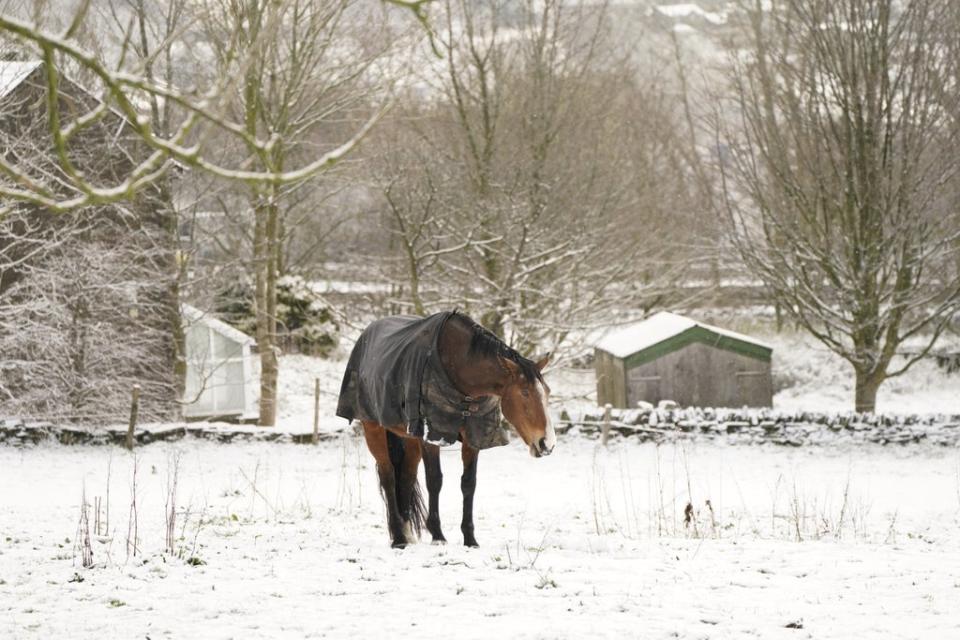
(431, 465)
(468, 484)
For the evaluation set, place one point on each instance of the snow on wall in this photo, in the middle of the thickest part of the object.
(760, 426)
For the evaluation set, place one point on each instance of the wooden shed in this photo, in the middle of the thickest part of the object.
(671, 357)
(222, 375)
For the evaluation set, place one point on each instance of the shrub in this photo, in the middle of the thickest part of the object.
(305, 323)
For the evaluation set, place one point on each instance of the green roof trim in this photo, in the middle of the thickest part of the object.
(703, 336)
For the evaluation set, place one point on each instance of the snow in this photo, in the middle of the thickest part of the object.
(587, 541)
(296, 392)
(683, 28)
(638, 336)
(686, 10)
(807, 375)
(322, 287)
(12, 73)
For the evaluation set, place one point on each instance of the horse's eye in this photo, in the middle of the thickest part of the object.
(525, 393)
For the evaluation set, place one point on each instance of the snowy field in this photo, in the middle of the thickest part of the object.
(289, 541)
(800, 543)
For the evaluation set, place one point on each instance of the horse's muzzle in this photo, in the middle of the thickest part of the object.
(540, 448)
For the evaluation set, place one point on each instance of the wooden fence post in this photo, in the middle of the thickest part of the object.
(316, 410)
(605, 427)
(134, 409)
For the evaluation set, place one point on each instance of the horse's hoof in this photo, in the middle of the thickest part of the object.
(442, 541)
(409, 533)
(471, 542)
(398, 545)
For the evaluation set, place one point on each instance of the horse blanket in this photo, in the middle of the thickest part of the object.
(395, 377)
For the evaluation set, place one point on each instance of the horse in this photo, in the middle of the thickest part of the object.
(479, 368)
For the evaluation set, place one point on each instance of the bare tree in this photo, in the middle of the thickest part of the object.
(304, 70)
(418, 203)
(148, 32)
(82, 297)
(78, 318)
(285, 82)
(520, 196)
(838, 173)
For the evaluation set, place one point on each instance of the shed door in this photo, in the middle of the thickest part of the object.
(754, 388)
(642, 387)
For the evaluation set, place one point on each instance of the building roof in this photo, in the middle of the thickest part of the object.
(196, 315)
(640, 338)
(13, 73)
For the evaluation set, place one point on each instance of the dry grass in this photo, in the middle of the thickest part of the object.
(677, 506)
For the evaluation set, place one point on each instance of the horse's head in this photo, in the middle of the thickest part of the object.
(523, 401)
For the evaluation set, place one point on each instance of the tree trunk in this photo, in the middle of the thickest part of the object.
(414, 271)
(492, 319)
(264, 249)
(179, 341)
(176, 269)
(868, 383)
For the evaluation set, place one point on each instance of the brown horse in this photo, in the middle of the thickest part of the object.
(481, 367)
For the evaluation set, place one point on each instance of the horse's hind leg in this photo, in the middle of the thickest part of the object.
(468, 485)
(408, 490)
(376, 437)
(431, 465)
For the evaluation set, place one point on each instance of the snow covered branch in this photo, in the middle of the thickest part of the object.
(120, 94)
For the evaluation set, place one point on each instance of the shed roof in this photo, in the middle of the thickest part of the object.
(13, 73)
(196, 315)
(641, 336)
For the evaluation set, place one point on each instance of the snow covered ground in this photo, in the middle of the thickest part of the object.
(289, 541)
(586, 542)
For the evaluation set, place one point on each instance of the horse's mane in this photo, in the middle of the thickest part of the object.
(485, 343)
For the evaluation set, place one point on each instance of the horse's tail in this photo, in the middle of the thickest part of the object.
(417, 513)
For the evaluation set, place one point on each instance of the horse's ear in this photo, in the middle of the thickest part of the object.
(508, 365)
(543, 360)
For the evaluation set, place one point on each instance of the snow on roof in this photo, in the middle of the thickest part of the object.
(687, 9)
(657, 328)
(196, 315)
(12, 73)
